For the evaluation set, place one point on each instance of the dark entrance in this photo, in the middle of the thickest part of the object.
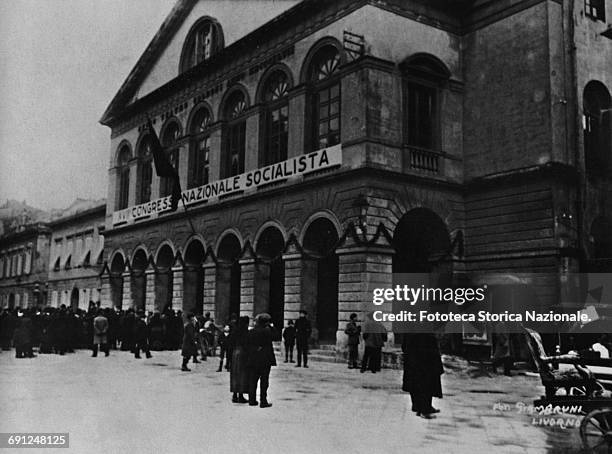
(319, 242)
(227, 297)
(116, 281)
(193, 278)
(421, 243)
(164, 278)
(138, 280)
(74, 299)
(270, 277)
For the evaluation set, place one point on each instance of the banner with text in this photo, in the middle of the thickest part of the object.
(275, 173)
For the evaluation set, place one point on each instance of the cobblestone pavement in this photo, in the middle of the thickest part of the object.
(123, 405)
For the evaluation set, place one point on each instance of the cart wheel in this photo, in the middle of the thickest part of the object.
(596, 431)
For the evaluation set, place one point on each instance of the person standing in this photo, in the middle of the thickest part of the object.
(190, 347)
(303, 330)
(223, 341)
(289, 340)
(100, 330)
(422, 370)
(141, 336)
(353, 332)
(260, 359)
(239, 378)
(375, 336)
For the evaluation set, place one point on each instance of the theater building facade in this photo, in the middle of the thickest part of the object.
(322, 146)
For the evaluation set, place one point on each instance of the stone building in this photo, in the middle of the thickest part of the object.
(54, 262)
(24, 256)
(76, 258)
(323, 145)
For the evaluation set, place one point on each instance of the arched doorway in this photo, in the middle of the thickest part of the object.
(421, 243)
(270, 277)
(116, 280)
(193, 278)
(138, 280)
(164, 278)
(74, 299)
(600, 246)
(597, 125)
(227, 296)
(320, 240)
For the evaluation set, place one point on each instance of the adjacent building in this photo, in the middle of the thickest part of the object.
(322, 146)
(54, 262)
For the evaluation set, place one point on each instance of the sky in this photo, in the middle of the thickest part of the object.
(61, 63)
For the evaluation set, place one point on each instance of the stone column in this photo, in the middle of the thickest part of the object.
(127, 302)
(177, 288)
(105, 293)
(300, 293)
(361, 270)
(210, 284)
(150, 290)
(247, 286)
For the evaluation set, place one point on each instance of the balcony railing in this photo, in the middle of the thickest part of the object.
(423, 160)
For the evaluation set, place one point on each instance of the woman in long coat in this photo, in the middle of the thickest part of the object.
(422, 370)
(239, 378)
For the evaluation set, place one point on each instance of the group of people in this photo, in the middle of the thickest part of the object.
(250, 355)
(247, 351)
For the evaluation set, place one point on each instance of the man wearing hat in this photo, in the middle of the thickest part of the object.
(141, 336)
(303, 330)
(260, 359)
(353, 332)
(190, 347)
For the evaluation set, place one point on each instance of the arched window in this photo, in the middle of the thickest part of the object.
(234, 134)
(199, 151)
(124, 178)
(145, 169)
(597, 128)
(323, 74)
(170, 138)
(423, 76)
(203, 41)
(275, 93)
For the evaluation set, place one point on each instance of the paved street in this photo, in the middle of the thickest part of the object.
(119, 404)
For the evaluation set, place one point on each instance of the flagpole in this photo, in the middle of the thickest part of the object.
(193, 230)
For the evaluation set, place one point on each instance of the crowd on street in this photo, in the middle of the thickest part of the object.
(244, 346)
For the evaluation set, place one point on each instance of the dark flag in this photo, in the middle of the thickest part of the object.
(163, 168)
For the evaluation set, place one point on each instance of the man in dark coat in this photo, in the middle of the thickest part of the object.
(189, 347)
(374, 336)
(422, 370)
(303, 330)
(141, 336)
(353, 332)
(289, 338)
(260, 359)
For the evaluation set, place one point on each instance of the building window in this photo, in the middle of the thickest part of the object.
(275, 93)
(235, 134)
(170, 143)
(199, 159)
(596, 124)
(203, 41)
(423, 78)
(326, 97)
(595, 9)
(124, 178)
(145, 170)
